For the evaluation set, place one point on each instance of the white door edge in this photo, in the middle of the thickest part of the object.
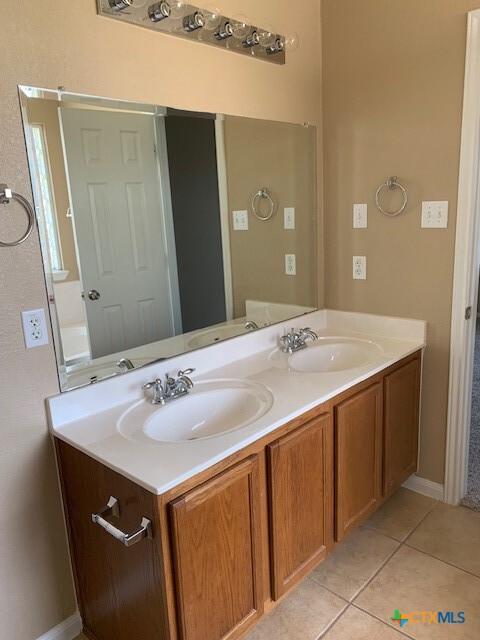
(224, 213)
(465, 282)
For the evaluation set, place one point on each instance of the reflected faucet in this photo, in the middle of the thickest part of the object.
(125, 365)
(251, 325)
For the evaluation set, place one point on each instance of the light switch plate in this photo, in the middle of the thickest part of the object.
(290, 264)
(240, 220)
(359, 268)
(360, 216)
(289, 217)
(435, 214)
(35, 329)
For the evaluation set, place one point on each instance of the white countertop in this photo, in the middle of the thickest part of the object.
(87, 418)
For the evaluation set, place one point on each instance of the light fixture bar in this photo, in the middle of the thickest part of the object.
(192, 25)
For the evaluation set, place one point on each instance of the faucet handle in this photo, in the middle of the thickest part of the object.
(186, 372)
(155, 384)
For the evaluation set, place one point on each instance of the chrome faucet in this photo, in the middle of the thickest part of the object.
(295, 340)
(251, 325)
(125, 365)
(171, 388)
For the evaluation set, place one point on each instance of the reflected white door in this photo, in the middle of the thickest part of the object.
(120, 228)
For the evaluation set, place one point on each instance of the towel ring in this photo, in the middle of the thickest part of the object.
(391, 184)
(263, 194)
(6, 195)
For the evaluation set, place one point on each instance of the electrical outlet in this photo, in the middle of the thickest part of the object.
(34, 328)
(289, 218)
(290, 264)
(360, 216)
(359, 268)
(240, 220)
(435, 215)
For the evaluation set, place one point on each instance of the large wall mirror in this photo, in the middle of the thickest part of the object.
(164, 231)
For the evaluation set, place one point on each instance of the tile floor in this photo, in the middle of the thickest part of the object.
(414, 554)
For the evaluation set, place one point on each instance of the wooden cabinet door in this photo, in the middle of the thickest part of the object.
(358, 452)
(300, 476)
(217, 555)
(401, 416)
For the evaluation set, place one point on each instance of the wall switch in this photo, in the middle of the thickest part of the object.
(290, 264)
(359, 268)
(435, 215)
(360, 216)
(34, 328)
(240, 220)
(289, 217)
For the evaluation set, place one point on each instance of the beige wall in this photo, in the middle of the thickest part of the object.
(393, 86)
(281, 158)
(53, 43)
(45, 112)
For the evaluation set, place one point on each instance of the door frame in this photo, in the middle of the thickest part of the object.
(224, 213)
(465, 281)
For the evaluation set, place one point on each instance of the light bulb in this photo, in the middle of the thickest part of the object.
(292, 42)
(266, 37)
(177, 8)
(240, 27)
(213, 17)
(120, 5)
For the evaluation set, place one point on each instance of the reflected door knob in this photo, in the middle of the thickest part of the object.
(93, 294)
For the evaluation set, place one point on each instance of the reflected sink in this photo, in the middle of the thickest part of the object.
(329, 355)
(212, 336)
(211, 409)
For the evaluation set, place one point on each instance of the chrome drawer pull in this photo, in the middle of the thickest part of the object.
(128, 539)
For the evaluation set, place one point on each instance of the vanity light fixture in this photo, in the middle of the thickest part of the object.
(205, 25)
(193, 22)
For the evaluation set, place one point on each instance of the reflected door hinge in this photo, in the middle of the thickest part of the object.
(468, 313)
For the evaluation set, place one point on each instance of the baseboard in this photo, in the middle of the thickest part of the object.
(66, 630)
(426, 487)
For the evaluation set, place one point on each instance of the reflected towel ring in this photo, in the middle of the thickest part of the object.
(6, 195)
(263, 194)
(391, 184)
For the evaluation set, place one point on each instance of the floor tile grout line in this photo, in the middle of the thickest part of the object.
(390, 626)
(449, 564)
(333, 622)
(401, 544)
(372, 528)
(418, 525)
(386, 561)
(330, 590)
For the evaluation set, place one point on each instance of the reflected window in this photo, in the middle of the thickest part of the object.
(46, 194)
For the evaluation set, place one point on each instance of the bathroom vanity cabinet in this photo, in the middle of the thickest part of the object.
(228, 543)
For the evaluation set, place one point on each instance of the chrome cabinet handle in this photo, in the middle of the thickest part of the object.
(127, 539)
(93, 294)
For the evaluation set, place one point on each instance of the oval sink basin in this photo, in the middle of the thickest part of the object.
(335, 354)
(210, 409)
(212, 336)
